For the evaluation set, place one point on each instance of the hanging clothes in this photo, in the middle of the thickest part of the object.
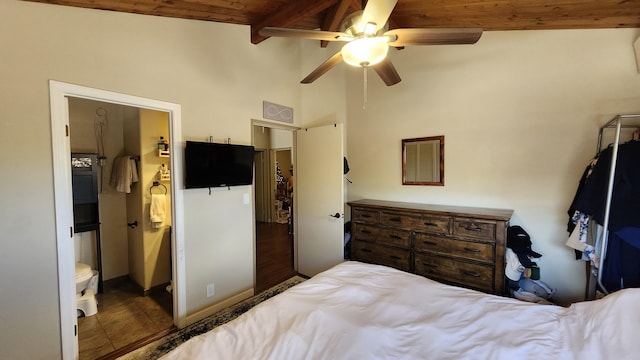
(621, 267)
(573, 216)
(578, 225)
(625, 201)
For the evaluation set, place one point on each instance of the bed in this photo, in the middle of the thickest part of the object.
(363, 311)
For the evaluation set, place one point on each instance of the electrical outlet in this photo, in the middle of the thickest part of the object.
(210, 290)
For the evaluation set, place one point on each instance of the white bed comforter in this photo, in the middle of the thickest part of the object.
(363, 311)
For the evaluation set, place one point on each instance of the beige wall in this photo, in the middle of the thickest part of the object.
(325, 100)
(281, 139)
(156, 242)
(261, 137)
(134, 206)
(520, 112)
(212, 70)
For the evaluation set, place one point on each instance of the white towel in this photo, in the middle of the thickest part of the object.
(123, 173)
(157, 210)
(133, 170)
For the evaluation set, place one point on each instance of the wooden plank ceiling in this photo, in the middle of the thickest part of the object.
(328, 14)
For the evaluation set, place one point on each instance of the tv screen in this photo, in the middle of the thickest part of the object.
(214, 165)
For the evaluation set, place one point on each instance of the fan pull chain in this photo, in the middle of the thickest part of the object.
(364, 103)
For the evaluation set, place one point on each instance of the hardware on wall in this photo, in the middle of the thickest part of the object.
(277, 112)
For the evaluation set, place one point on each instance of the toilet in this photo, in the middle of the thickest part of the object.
(86, 288)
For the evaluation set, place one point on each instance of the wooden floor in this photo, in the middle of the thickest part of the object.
(274, 255)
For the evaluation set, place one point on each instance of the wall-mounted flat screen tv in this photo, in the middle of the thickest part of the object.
(215, 165)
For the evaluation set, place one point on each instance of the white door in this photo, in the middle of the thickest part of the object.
(319, 190)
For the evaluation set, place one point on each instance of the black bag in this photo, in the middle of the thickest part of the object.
(520, 242)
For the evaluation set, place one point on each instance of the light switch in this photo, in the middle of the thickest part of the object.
(245, 198)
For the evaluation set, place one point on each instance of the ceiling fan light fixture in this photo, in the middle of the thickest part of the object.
(370, 29)
(366, 51)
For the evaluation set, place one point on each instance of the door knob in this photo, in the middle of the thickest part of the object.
(336, 215)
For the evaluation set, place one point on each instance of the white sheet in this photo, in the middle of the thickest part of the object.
(363, 311)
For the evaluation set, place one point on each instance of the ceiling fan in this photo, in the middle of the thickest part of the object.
(368, 40)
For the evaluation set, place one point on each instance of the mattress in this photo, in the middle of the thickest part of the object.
(363, 311)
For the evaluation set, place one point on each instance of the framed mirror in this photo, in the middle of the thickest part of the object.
(423, 161)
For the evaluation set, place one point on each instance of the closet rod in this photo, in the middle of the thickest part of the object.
(613, 123)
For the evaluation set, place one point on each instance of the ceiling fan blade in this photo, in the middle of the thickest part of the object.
(323, 68)
(387, 72)
(378, 12)
(305, 34)
(435, 36)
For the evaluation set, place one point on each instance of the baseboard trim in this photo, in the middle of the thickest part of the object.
(208, 311)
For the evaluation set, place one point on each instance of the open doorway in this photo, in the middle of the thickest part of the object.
(274, 200)
(126, 149)
(60, 94)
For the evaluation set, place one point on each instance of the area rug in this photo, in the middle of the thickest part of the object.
(163, 345)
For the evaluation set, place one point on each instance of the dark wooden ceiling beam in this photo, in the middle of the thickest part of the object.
(518, 15)
(289, 15)
(334, 18)
(174, 8)
(356, 4)
(488, 14)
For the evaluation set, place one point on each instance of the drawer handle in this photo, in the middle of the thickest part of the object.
(365, 231)
(431, 224)
(365, 216)
(395, 257)
(471, 250)
(431, 243)
(365, 250)
(395, 219)
(472, 273)
(473, 228)
(395, 237)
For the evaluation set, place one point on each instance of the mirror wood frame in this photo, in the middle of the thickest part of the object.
(406, 142)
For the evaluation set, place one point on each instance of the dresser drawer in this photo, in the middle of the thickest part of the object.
(449, 270)
(431, 224)
(365, 216)
(474, 229)
(460, 245)
(383, 235)
(459, 248)
(383, 255)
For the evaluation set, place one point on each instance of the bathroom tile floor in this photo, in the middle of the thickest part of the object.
(123, 317)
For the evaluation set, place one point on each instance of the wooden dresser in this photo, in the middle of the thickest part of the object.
(462, 246)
